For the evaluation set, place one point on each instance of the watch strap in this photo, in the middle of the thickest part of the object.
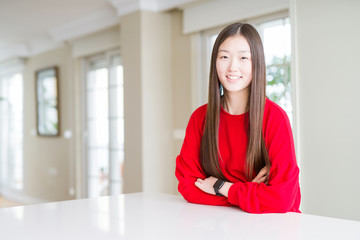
(218, 184)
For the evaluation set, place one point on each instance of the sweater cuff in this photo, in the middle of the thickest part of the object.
(233, 197)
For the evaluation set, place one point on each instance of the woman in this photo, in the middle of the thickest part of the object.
(238, 149)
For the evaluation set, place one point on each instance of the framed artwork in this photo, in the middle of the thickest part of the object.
(47, 102)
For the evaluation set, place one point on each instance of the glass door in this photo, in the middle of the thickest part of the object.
(104, 125)
(11, 131)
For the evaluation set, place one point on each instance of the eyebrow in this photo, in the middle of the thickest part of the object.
(223, 50)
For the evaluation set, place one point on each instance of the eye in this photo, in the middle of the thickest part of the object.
(244, 58)
(224, 57)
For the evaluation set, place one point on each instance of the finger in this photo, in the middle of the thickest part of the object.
(256, 178)
(261, 180)
(263, 171)
(259, 175)
(199, 180)
(267, 177)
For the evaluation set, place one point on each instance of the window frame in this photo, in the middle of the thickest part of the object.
(8, 71)
(107, 57)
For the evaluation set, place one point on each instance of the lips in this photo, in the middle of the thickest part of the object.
(233, 78)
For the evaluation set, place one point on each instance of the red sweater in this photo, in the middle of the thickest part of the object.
(281, 194)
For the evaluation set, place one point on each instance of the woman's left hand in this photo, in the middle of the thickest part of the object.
(262, 176)
(206, 185)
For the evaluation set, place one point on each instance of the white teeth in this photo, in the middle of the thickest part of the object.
(234, 77)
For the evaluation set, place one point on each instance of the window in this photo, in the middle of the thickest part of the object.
(276, 36)
(11, 130)
(105, 125)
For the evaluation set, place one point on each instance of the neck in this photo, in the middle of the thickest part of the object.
(235, 103)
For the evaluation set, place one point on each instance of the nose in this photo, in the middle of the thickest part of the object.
(234, 65)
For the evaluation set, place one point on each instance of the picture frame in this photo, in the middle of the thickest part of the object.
(47, 102)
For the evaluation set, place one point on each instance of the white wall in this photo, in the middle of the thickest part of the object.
(98, 42)
(327, 46)
(158, 168)
(49, 161)
(146, 44)
(131, 39)
(220, 12)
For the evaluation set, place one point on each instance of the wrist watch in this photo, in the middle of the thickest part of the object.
(218, 184)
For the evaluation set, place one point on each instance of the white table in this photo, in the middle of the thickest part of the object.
(161, 216)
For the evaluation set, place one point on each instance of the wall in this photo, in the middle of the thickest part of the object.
(146, 44)
(131, 37)
(181, 84)
(157, 102)
(327, 48)
(98, 42)
(48, 161)
(207, 15)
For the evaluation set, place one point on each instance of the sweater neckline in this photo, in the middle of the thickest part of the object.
(232, 115)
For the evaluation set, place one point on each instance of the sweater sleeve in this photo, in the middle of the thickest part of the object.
(188, 167)
(282, 193)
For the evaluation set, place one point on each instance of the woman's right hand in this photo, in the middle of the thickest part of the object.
(262, 176)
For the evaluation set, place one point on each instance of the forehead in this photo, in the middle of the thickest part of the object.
(237, 43)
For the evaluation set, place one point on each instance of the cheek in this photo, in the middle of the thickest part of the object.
(218, 68)
(221, 66)
(248, 72)
(249, 69)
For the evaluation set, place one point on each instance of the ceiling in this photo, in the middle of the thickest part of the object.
(29, 27)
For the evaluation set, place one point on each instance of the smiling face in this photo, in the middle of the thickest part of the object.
(234, 64)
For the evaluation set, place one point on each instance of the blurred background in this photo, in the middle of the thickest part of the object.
(95, 95)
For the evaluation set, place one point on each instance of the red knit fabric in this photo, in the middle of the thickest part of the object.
(281, 194)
